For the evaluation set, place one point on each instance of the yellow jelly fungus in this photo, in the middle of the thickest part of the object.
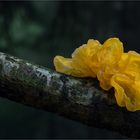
(111, 65)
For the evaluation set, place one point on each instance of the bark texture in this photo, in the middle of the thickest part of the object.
(77, 99)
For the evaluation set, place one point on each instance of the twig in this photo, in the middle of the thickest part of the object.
(78, 99)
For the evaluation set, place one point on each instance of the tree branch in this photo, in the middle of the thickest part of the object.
(78, 99)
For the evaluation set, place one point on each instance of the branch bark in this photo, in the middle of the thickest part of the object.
(78, 99)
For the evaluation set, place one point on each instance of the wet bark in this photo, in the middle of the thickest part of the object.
(74, 98)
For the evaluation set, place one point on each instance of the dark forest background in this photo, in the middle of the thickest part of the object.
(37, 31)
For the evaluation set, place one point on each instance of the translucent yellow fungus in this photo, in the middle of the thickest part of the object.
(111, 65)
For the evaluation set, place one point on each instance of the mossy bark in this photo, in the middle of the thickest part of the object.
(78, 99)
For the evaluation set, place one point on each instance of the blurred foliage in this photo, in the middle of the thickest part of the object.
(39, 30)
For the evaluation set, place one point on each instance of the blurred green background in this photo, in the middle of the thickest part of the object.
(37, 31)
